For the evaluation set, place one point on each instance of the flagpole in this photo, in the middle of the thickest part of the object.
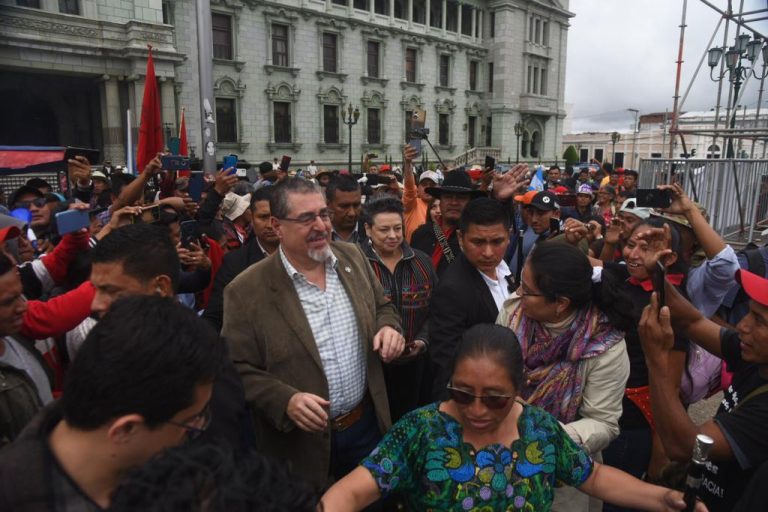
(129, 143)
(205, 75)
(182, 117)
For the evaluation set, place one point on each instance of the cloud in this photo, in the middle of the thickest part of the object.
(622, 54)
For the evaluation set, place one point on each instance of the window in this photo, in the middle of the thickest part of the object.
(599, 155)
(34, 4)
(69, 7)
(445, 70)
(167, 13)
(444, 130)
(330, 52)
(618, 159)
(381, 7)
(489, 131)
(538, 30)
(490, 77)
(436, 14)
(584, 155)
(408, 118)
(410, 65)
(282, 121)
(226, 120)
(279, 45)
(222, 36)
(526, 144)
(537, 77)
(545, 33)
(331, 124)
(374, 49)
(451, 18)
(713, 151)
(473, 75)
(543, 82)
(471, 128)
(419, 12)
(401, 7)
(339, 2)
(492, 24)
(374, 126)
(466, 19)
(535, 144)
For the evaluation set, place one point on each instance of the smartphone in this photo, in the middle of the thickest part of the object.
(72, 220)
(653, 198)
(189, 233)
(418, 120)
(566, 199)
(230, 162)
(285, 162)
(173, 145)
(554, 226)
(174, 162)
(196, 186)
(659, 276)
(490, 162)
(91, 154)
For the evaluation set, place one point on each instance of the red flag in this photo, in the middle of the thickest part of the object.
(151, 127)
(183, 150)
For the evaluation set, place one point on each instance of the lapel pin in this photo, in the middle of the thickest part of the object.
(347, 270)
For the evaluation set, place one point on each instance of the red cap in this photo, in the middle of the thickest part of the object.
(527, 197)
(755, 287)
(560, 190)
(9, 233)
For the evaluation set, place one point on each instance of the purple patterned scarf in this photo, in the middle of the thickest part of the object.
(552, 379)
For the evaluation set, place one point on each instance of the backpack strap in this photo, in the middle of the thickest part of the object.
(447, 251)
(755, 392)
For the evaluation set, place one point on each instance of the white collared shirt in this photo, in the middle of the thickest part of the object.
(334, 326)
(499, 287)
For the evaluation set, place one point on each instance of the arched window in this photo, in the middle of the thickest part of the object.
(535, 144)
(526, 144)
(713, 151)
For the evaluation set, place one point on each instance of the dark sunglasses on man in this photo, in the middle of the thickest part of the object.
(38, 202)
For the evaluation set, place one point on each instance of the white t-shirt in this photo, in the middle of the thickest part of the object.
(498, 287)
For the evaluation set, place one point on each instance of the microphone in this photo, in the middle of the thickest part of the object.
(701, 449)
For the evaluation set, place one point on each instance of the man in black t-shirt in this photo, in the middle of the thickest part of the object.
(740, 427)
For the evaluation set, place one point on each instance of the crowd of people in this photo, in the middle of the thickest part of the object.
(403, 339)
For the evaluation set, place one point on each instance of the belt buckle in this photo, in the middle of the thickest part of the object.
(338, 424)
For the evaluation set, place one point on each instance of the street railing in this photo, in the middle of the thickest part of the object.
(734, 192)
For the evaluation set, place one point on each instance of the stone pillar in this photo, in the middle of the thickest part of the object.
(444, 13)
(480, 21)
(410, 12)
(371, 8)
(112, 123)
(428, 17)
(168, 104)
(391, 11)
(474, 22)
(459, 7)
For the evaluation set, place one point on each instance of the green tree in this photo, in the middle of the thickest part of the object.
(571, 156)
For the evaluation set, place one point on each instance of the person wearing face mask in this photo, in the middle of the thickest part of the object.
(408, 279)
(485, 449)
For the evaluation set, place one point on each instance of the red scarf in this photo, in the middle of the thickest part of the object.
(437, 254)
(647, 285)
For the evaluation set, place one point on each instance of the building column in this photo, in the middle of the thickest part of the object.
(459, 7)
(350, 7)
(410, 12)
(428, 17)
(480, 21)
(112, 125)
(371, 8)
(168, 104)
(474, 22)
(391, 11)
(444, 13)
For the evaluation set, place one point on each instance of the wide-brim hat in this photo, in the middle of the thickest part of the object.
(233, 205)
(456, 182)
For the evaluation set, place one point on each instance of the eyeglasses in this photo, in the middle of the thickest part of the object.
(39, 202)
(203, 420)
(490, 401)
(309, 217)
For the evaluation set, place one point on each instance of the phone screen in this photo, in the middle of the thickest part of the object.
(285, 162)
(418, 121)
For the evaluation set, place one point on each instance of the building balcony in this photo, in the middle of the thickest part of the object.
(538, 105)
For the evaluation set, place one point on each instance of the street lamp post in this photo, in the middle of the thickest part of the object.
(634, 136)
(615, 137)
(350, 120)
(738, 70)
(518, 134)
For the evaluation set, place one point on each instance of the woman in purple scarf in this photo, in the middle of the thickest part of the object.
(575, 357)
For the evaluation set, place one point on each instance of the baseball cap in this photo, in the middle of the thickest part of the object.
(630, 206)
(429, 175)
(98, 175)
(754, 286)
(9, 233)
(586, 190)
(545, 201)
(526, 198)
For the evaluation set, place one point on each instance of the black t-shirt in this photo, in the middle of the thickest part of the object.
(744, 425)
(631, 416)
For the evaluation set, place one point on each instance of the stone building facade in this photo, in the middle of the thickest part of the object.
(285, 72)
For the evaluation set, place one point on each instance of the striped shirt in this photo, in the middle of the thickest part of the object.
(337, 335)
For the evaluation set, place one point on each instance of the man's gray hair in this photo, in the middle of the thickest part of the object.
(278, 203)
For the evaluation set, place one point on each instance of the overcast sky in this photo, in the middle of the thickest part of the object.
(622, 54)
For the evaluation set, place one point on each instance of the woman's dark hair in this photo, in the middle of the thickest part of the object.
(429, 209)
(383, 204)
(213, 478)
(610, 189)
(562, 270)
(497, 342)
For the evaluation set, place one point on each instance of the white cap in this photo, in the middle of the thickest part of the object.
(429, 175)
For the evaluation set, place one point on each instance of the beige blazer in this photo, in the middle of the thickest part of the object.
(274, 351)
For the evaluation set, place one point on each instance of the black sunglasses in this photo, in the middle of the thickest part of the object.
(490, 401)
(39, 202)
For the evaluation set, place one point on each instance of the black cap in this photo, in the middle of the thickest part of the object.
(457, 182)
(545, 201)
(23, 191)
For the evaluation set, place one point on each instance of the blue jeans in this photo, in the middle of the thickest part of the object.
(630, 452)
(349, 447)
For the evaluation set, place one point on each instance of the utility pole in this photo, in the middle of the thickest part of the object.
(205, 77)
(634, 137)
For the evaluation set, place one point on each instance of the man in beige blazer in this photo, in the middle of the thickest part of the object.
(307, 329)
